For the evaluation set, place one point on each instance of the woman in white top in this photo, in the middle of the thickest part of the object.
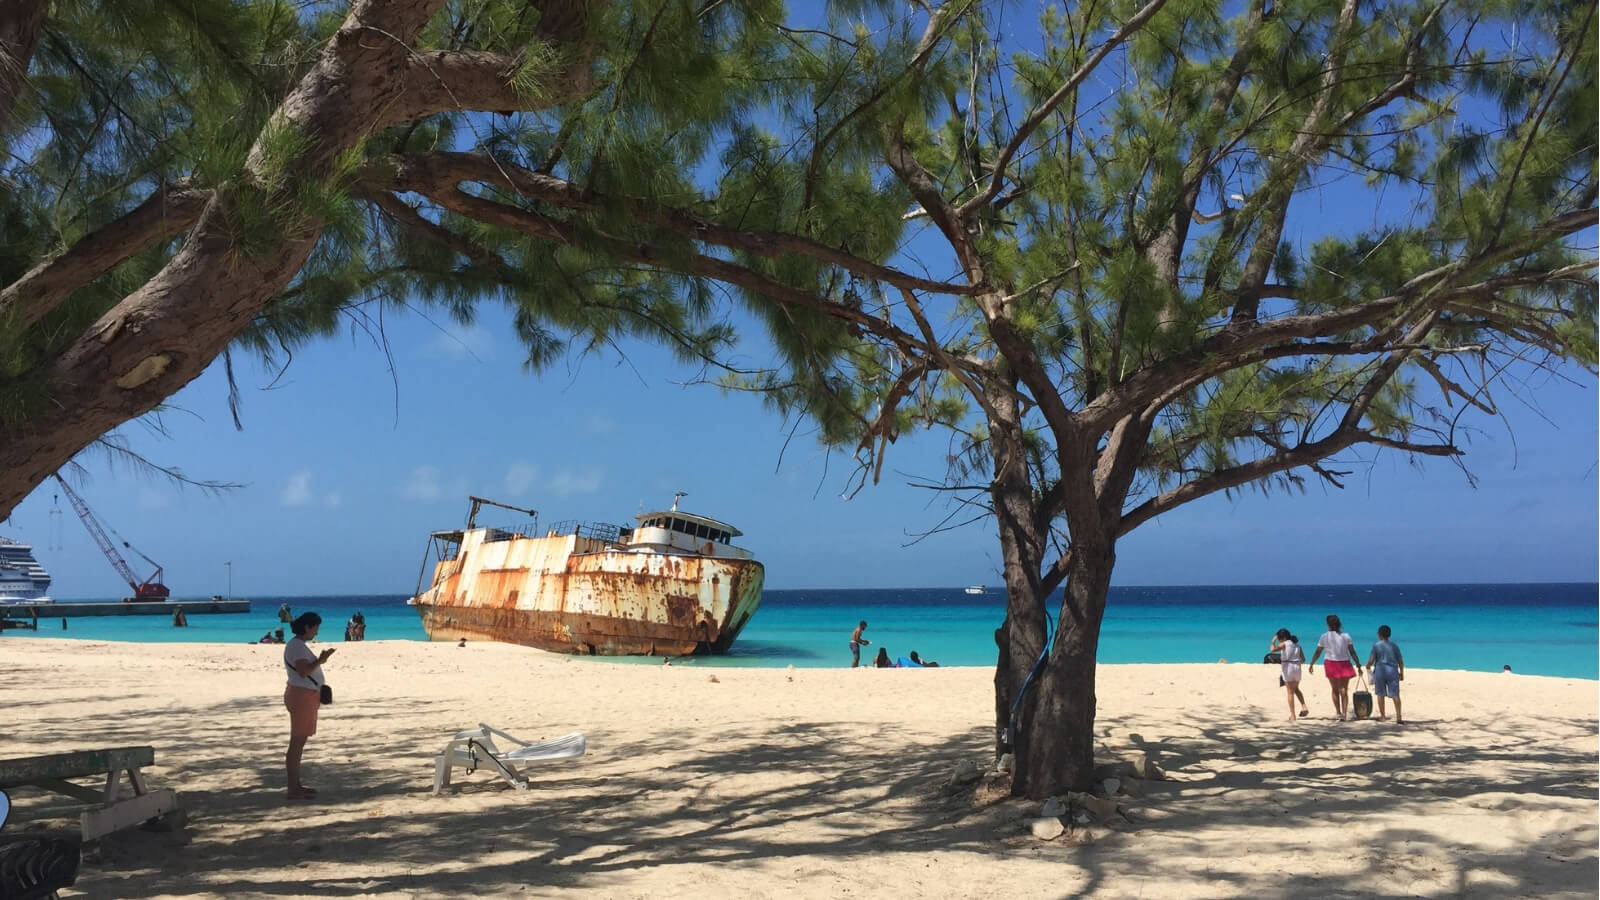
(1340, 666)
(302, 696)
(1287, 646)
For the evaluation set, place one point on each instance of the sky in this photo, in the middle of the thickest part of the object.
(350, 458)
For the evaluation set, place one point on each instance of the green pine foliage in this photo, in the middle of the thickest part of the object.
(1176, 191)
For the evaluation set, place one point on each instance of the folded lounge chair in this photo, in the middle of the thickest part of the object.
(476, 747)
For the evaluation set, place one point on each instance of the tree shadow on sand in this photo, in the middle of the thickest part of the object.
(733, 798)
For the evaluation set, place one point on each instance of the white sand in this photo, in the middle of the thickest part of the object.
(817, 783)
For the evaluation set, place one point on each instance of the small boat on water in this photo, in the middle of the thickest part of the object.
(975, 589)
(672, 585)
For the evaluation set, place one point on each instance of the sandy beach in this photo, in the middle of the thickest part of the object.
(825, 783)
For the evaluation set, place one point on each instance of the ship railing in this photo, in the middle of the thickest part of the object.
(598, 531)
(498, 533)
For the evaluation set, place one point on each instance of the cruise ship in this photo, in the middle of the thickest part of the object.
(22, 579)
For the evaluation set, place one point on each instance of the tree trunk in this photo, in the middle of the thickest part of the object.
(1052, 729)
(164, 334)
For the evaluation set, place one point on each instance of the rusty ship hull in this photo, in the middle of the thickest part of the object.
(576, 594)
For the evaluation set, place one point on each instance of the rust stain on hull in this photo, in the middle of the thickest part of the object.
(574, 594)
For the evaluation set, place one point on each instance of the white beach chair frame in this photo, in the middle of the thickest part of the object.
(476, 747)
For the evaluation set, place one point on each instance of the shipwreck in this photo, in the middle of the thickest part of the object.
(672, 585)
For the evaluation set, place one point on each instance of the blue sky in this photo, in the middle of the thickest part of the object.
(346, 470)
(351, 457)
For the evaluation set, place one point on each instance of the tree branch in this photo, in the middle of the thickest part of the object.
(169, 211)
(409, 218)
(1044, 109)
(1237, 476)
(1229, 349)
(433, 172)
(531, 223)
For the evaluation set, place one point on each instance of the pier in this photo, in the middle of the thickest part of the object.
(20, 615)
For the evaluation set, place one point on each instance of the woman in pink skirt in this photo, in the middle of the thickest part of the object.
(1340, 665)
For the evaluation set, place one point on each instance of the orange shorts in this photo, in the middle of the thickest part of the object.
(303, 704)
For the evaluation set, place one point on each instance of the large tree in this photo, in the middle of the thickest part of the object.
(1164, 302)
(1125, 299)
(186, 176)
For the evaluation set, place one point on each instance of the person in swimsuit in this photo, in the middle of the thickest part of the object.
(856, 640)
(1340, 666)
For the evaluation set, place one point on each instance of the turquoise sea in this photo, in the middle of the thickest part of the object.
(1537, 629)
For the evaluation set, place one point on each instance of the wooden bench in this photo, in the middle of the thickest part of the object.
(109, 811)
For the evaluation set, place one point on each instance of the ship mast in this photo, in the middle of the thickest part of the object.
(478, 502)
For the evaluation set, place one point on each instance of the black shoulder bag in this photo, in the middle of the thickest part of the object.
(325, 693)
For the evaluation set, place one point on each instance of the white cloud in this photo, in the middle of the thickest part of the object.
(298, 491)
(599, 424)
(332, 500)
(567, 483)
(422, 484)
(520, 477)
(462, 342)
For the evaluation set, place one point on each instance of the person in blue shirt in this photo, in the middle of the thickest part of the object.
(1388, 669)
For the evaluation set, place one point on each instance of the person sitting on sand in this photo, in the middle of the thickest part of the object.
(1287, 646)
(882, 661)
(1388, 669)
(266, 639)
(927, 664)
(1340, 667)
(277, 636)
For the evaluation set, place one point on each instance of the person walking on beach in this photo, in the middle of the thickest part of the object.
(302, 696)
(1340, 665)
(1388, 669)
(856, 640)
(1287, 646)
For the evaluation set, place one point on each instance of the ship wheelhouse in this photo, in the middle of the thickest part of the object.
(675, 531)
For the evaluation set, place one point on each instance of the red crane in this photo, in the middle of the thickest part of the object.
(149, 589)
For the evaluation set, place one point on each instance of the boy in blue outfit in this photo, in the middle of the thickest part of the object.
(1388, 669)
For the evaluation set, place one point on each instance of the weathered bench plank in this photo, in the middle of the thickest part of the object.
(109, 811)
(74, 764)
(97, 823)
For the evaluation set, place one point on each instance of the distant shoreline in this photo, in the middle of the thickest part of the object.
(266, 596)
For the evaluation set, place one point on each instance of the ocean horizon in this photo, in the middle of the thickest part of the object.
(1539, 628)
